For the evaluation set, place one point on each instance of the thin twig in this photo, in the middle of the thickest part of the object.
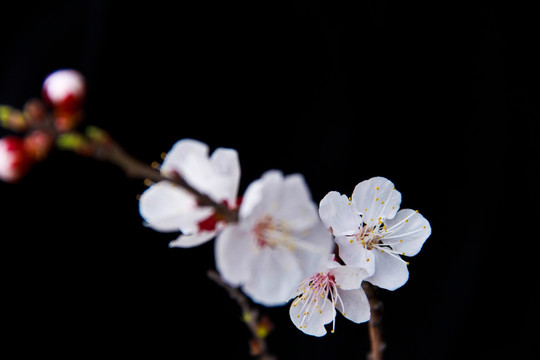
(259, 326)
(375, 323)
(112, 152)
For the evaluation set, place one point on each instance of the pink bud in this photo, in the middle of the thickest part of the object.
(14, 160)
(65, 90)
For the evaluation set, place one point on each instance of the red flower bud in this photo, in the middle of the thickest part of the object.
(65, 91)
(14, 159)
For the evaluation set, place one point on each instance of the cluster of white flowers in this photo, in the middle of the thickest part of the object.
(282, 247)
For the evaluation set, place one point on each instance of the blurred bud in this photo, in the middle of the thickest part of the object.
(66, 121)
(255, 348)
(12, 119)
(38, 144)
(35, 111)
(65, 91)
(75, 142)
(14, 160)
(264, 327)
(97, 135)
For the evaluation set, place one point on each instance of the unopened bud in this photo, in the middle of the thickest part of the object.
(64, 122)
(11, 118)
(264, 327)
(38, 144)
(65, 91)
(35, 111)
(97, 135)
(14, 159)
(75, 142)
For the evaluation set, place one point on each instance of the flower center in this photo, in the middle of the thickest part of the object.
(273, 233)
(315, 291)
(369, 236)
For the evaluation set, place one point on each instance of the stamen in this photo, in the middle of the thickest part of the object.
(402, 235)
(393, 228)
(276, 233)
(391, 252)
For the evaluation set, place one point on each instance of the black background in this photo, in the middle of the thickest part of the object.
(439, 97)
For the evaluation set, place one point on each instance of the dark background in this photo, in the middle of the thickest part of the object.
(439, 97)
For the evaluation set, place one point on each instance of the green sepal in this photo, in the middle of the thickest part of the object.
(71, 141)
(96, 134)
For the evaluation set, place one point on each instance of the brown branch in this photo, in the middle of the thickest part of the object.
(375, 323)
(259, 326)
(98, 144)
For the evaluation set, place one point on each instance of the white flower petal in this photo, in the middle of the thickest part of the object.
(353, 253)
(337, 212)
(282, 197)
(256, 197)
(226, 166)
(217, 176)
(312, 247)
(309, 319)
(294, 203)
(234, 248)
(198, 172)
(274, 275)
(390, 271)
(175, 159)
(188, 241)
(354, 305)
(167, 207)
(407, 232)
(349, 277)
(376, 199)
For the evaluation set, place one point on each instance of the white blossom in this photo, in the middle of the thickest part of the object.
(372, 233)
(278, 240)
(167, 207)
(318, 297)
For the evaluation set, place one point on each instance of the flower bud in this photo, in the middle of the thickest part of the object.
(65, 121)
(38, 144)
(14, 159)
(35, 111)
(65, 91)
(12, 119)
